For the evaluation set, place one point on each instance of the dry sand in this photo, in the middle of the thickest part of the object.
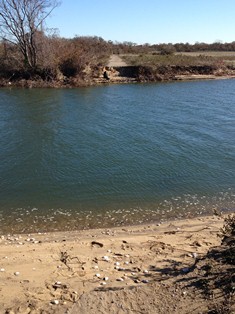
(139, 269)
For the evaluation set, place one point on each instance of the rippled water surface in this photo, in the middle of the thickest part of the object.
(115, 155)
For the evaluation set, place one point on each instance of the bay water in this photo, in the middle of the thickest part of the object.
(115, 155)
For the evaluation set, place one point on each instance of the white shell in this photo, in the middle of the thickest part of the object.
(106, 258)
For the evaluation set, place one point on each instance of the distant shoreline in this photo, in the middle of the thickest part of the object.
(128, 75)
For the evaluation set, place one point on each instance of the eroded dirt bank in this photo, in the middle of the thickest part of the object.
(122, 74)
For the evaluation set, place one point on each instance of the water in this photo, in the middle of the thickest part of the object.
(115, 155)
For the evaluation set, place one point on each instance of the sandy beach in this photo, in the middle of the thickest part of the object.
(137, 269)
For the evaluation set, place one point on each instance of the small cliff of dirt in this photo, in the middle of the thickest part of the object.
(99, 75)
(163, 73)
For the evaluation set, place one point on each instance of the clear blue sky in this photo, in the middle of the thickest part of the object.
(147, 21)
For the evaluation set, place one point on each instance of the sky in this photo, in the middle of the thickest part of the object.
(147, 21)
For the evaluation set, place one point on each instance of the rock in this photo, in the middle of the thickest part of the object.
(145, 281)
(2, 270)
(119, 279)
(55, 302)
(97, 275)
(16, 273)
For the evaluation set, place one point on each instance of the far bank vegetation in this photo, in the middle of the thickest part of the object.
(31, 54)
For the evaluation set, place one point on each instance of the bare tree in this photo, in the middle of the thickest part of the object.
(21, 22)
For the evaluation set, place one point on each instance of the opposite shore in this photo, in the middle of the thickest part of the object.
(122, 75)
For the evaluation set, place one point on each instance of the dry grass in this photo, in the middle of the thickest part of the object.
(182, 59)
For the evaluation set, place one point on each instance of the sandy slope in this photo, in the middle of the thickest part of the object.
(141, 269)
(116, 61)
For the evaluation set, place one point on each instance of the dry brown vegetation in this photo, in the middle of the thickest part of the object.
(31, 55)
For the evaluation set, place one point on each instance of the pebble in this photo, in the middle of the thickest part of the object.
(58, 283)
(97, 275)
(145, 271)
(117, 264)
(120, 279)
(56, 302)
(2, 270)
(16, 273)
(126, 263)
(121, 268)
(103, 283)
(106, 278)
(194, 255)
(145, 281)
(106, 258)
(137, 281)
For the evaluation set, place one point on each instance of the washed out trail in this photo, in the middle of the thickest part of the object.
(116, 61)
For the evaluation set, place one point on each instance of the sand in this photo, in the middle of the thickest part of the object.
(116, 61)
(137, 269)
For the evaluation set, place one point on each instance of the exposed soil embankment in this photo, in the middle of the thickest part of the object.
(170, 73)
(120, 74)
